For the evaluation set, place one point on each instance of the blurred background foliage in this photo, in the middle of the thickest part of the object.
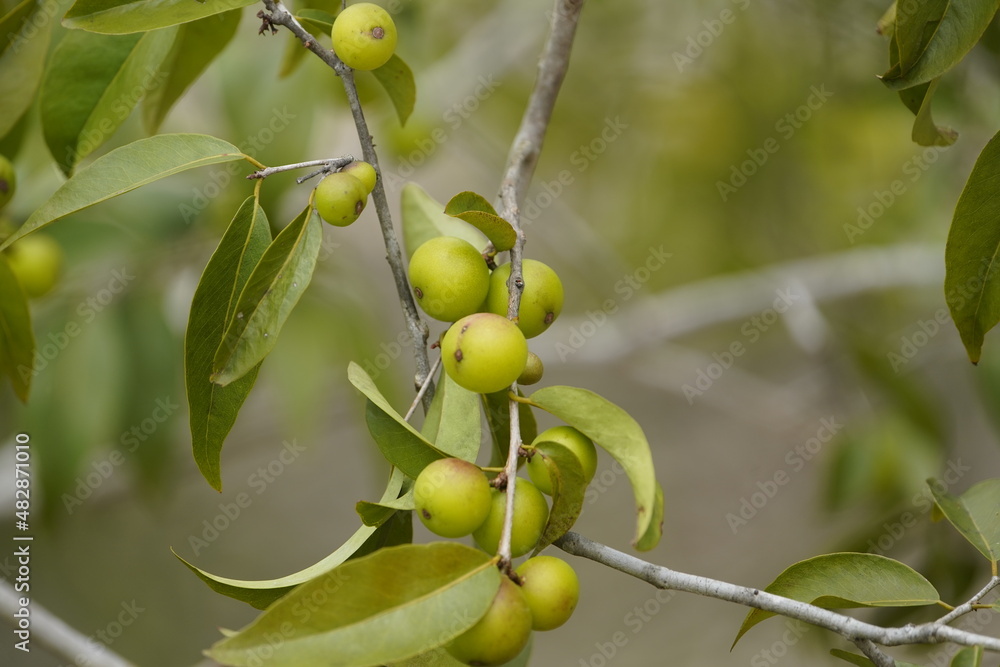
(632, 163)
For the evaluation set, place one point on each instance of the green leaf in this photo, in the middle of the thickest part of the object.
(263, 592)
(925, 131)
(971, 656)
(497, 409)
(273, 289)
(196, 46)
(117, 17)
(479, 213)
(91, 86)
(24, 42)
(316, 21)
(127, 168)
(971, 284)
(392, 605)
(618, 433)
(377, 513)
(453, 424)
(975, 514)
(17, 340)
(934, 37)
(847, 580)
(397, 79)
(655, 530)
(213, 408)
(862, 660)
(568, 489)
(423, 219)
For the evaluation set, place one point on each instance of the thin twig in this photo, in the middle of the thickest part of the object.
(846, 626)
(970, 606)
(874, 653)
(330, 164)
(422, 390)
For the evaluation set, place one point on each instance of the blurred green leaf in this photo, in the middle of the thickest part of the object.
(479, 213)
(618, 433)
(971, 656)
(196, 46)
(847, 580)
(862, 660)
(214, 408)
(125, 169)
(22, 60)
(925, 131)
(17, 340)
(425, 596)
(971, 284)
(275, 286)
(453, 423)
(316, 21)
(655, 530)
(118, 17)
(568, 489)
(497, 409)
(424, 218)
(975, 514)
(91, 85)
(397, 79)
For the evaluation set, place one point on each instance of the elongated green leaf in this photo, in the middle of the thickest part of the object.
(479, 213)
(618, 433)
(118, 17)
(861, 660)
(847, 580)
(24, 41)
(397, 79)
(377, 513)
(975, 514)
(925, 131)
(497, 409)
(127, 168)
(392, 605)
(568, 488)
(933, 36)
(453, 424)
(17, 340)
(213, 408)
(972, 282)
(91, 86)
(196, 46)
(424, 218)
(971, 656)
(275, 286)
(655, 530)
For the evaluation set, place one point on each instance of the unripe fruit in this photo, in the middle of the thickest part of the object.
(531, 513)
(541, 301)
(8, 181)
(533, 370)
(362, 171)
(484, 352)
(573, 440)
(452, 497)
(552, 590)
(364, 36)
(36, 261)
(500, 635)
(449, 278)
(340, 198)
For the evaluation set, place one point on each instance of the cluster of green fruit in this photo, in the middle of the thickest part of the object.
(341, 196)
(454, 498)
(36, 260)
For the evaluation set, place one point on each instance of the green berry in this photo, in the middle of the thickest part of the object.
(452, 497)
(500, 635)
(552, 590)
(449, 278)
(484, 352)
(541, 301)
(362, 171)
(36, 261)
(531, 513)
(364, 36)
(8, 181)
(340, 198)
(573, 440)
(533, 370)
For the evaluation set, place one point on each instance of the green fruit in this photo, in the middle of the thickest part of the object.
(500, 635)
(484, 352)
(364, 36)
(449, 278)
(551, 588)
(36, 261)
(340, 198)
(531, 512)
(573, 440)
(8, 181)
(362, 171)
(452, 497)
(541, 301)
(533, 370)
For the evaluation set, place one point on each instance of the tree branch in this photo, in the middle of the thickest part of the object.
(854, 630)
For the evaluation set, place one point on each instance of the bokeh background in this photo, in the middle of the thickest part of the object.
(852, 396)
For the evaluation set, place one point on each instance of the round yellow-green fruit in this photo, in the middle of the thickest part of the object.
(541, 301)
(552, 590)
(573, 440)
(364, 36)
(500, 635)
(452, 497)
(8, 181)
(449, 278)
(36, 261)
(340, 198)
(531, 512)
(362, 171)
(533, 370)
(484, 352)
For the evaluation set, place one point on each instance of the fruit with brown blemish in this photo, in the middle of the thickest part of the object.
(484, 352)
(340, 198)
(452, 497)
(449, 278)
(541, 300)
(364, 36)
